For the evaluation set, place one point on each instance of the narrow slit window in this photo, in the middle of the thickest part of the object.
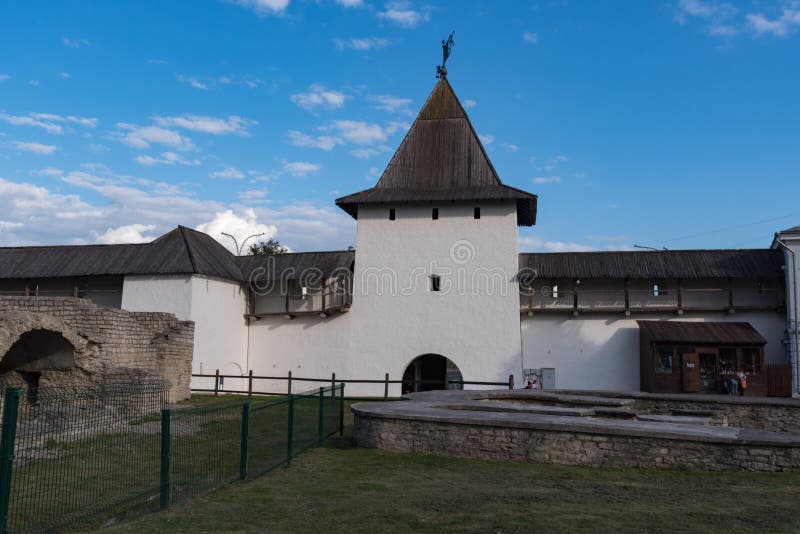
(392, 214)
(436, 283)
(304, 292)
(656, 289)
(555, 291)
(435, 214)
(477, 213)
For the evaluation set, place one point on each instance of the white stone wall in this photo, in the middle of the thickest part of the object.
(601, 351)
(791, 240)
(163, 293)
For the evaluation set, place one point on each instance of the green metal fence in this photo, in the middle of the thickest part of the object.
(71, 457)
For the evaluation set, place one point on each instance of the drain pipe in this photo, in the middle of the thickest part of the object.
(793, 321)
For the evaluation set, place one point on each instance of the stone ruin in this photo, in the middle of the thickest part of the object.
(61, 341)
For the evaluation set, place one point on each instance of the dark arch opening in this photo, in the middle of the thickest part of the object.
(429, 372)
(36, 351)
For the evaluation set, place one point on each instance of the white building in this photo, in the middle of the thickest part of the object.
(436, 290)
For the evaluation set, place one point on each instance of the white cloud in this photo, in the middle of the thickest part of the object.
(253, 194)
(7, 225)
(362, 44)
(241, 226)
(301, 168)
(392, 104)
(510, 147)
(131, 233)
(264, 7)
(716, 16)
(167, 158)
(319, 96)
(30, 121)
(143, 136)
(230, 173)
(402, 14)
(486, 139)
(75, 43)
(35, 148)
(547, 179)
(530, 37)
(364, 153)
(65, 75)
(469, 103)
(530, 244)
(157, 61)
(48, 121)
(49, 171)
(210, 125)
(4, 77)
(192, 81)
(31, 82)
(781, 26)
(325, 142)
(350, 3)
(362, 133)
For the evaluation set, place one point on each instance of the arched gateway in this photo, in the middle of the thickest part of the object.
(429, 372)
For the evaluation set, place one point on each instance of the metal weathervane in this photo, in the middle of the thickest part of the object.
(447, 45)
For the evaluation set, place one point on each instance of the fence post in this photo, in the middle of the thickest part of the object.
(290, 430)
(250, 383)
(386, 388)
(243, 448)
(289, 387)
(166, 441)
(510, 381)
(333, 384)
(216, 383)
(341, 410)
(320, 424)
(7, 436)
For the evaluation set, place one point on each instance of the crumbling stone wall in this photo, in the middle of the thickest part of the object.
(107, 342)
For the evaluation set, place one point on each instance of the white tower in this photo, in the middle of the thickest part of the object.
(437, 257)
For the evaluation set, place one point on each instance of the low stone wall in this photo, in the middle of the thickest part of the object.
(107, 342)
(567, 448)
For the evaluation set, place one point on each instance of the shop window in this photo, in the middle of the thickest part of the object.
(727, 360)
(435, 214)
(751, 361)
(391, 214)
(664, 360)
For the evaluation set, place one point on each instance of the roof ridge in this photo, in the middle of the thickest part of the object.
(188, 248)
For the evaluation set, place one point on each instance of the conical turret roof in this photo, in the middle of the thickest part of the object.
(441, 159)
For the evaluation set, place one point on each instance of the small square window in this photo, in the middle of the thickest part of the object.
(435, 214)
(656, 289)
(477, 213)
(554, 291)
(391, 214)
(436, 282)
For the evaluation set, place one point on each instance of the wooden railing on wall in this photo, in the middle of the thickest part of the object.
(250, 377)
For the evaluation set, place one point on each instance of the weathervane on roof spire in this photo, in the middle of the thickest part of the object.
(441, 71)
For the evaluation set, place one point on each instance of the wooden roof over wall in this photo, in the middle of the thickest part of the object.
(696, 333)
(661, 264)
(441, 159)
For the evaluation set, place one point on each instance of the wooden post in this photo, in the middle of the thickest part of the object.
(289, 388)
(27, 289)
(250, 383)
(386, 388)
(510, 381)
(333, 381)
(323, 297)
(680, 296)
(287, 300)
(75, 288)
(216, 383)
(575, 296)
(627, 296)
(730, 293)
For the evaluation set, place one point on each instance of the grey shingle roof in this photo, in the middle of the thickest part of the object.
(685, 264)
(712, 333)
(180, 251)
(441, 159)
(296, 265)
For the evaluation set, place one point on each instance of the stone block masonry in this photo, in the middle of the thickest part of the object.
(107, 342)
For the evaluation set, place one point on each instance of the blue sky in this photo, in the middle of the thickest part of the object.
(667, 123)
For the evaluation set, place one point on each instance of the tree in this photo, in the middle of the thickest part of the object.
(267, 248)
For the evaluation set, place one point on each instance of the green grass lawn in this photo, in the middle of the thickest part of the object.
(341, 488)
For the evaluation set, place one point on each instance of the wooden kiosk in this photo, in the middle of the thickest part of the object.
(695, 357)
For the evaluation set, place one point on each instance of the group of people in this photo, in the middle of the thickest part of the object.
(736, 384)
(532, 384)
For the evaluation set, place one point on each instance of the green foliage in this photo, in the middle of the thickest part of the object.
(267, 248)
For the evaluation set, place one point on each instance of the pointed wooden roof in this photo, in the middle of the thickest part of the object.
(441, 159)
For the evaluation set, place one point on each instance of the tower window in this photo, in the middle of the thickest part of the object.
(436, 282)
(477, 213)
(435, 214)
(555, 291)
(391, 214)
(655, 289)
